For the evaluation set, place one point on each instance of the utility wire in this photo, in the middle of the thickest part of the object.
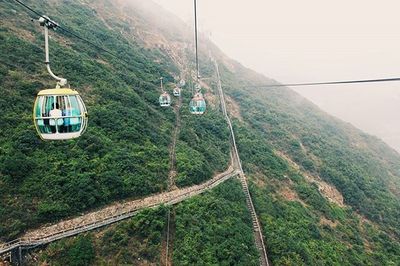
(29, 8)
(94, 45)
(196, 40)
(76, 35)
(326, 83)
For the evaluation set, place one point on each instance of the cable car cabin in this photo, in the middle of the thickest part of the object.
(177, 92)
(182, 83)
(197, 105)
(59, 114)
(165, 100)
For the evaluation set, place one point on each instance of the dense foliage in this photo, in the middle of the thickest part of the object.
(215, 229)
(300, 224)
(203, 147)
(366, 175)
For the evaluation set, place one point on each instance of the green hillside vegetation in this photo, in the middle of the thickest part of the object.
(308, 229)
(330, 149)
(203, 148)
(363, 169)
(124, 153)
(215, 229)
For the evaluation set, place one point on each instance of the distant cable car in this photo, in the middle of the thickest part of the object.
(59, 113)
(197, 105)
(177, 92)
(164, 99)
(182, 83)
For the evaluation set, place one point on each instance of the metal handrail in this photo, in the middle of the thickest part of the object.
(241, 173)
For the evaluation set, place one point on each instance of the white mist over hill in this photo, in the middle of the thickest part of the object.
(374, 108)
(313, 40)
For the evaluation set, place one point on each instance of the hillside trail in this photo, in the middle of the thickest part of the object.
(116, 212)
(169, 233)
(167, 244)
(172, 154)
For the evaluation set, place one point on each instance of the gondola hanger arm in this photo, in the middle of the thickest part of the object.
(47, 23)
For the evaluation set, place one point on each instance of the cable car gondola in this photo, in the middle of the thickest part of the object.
(164, 99)
(182, 83)
(59, 113)
(197, 105)
(177, 92)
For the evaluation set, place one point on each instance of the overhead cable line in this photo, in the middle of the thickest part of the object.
(326, 83)
(29, 8)
(196, 40)
(75, 35)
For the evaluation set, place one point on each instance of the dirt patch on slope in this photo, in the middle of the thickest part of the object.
(288, 193)
(24, 34)
(233, 108)
(258, 179)
(329, 191)
(212, 99)
(324, 221)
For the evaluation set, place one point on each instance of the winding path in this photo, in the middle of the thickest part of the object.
(169, 235)
(111, 214)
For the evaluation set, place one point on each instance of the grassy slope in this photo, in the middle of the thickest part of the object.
(215, 229)
(301, 226)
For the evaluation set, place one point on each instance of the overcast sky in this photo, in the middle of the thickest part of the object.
(315, 40)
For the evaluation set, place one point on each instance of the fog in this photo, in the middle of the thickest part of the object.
(314, 40)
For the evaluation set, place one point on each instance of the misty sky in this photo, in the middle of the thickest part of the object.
(315, 40)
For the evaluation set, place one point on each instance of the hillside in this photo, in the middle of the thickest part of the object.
(325, 192)
(124, 153)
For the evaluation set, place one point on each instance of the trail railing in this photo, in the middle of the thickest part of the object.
(258, 237)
